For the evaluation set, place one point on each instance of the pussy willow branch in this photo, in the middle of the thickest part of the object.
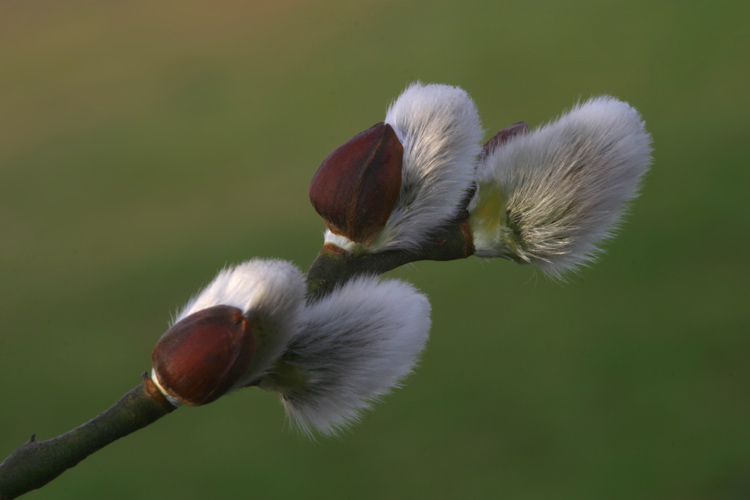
(36, 463)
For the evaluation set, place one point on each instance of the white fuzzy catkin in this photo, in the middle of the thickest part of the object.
(269, 292)
(439, 128)
(353, 345)
(561, 189)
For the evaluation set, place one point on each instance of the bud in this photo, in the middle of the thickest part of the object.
(550, 197)
(439, 129)
(203, 355)
(353, 346)
(356, 187)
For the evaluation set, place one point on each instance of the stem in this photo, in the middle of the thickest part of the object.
(336, 266)
(36, 463)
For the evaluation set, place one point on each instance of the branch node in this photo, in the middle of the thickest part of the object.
(154, 393)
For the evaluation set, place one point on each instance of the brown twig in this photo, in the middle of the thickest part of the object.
(36, 463)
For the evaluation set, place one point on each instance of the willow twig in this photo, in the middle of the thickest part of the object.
(36, 463)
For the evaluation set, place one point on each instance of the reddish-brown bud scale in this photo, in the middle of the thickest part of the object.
(506, 134)
(203, 355)
(356, 188)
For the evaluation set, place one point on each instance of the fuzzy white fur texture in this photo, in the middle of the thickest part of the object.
(561, 189)
(270, 293)
(353, 346)
(439, 128)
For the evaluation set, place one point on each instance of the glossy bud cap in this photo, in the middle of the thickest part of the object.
(506, 134)
(356, 187)
(203, 355)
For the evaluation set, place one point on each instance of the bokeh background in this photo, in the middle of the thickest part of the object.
(146, 144)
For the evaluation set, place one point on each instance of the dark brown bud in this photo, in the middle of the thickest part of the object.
(506, 134)
(203, 355)
(356, 188)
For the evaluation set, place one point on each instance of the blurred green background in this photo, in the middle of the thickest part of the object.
(145, 144)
